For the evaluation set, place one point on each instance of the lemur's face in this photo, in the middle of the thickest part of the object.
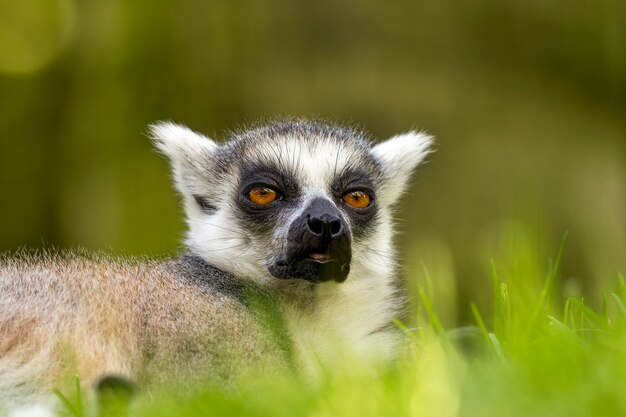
(305, 200)
(290, 201)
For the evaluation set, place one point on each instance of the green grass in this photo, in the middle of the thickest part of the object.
(529, 352)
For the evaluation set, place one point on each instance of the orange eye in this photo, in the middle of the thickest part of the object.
(262, 195)
(357, 199)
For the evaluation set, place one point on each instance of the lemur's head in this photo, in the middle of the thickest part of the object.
(291, 200)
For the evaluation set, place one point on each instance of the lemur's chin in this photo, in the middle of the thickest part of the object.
(312, 270)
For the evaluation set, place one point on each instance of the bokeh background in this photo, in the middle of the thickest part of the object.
(527, 101)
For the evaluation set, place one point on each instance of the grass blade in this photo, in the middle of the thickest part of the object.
(588, 313)
(620, 305)
(539, 306)
(479, 321)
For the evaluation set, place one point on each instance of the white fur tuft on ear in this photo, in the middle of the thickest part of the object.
(399, 156)
(190, 153)
(177, 141)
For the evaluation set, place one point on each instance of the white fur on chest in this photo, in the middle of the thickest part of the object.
(348, 320)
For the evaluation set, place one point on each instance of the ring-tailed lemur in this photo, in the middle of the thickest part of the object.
(289, 253)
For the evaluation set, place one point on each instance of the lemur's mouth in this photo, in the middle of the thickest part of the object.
(314, 265)
(320, 257)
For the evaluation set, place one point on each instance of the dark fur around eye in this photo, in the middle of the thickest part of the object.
(258, 217)
(268, 176)
(355, 180)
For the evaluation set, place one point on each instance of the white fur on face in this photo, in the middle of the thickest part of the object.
(220, 239)
(314, 163)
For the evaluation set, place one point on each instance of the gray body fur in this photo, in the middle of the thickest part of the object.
(153, 322)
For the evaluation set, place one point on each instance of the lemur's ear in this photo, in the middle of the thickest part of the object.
(399, 156)
(191, 155)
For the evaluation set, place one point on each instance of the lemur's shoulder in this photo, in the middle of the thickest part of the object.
(201, 322)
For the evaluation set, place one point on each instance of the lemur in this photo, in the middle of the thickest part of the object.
(288, 257)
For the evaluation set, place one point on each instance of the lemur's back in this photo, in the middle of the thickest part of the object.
(62, 316)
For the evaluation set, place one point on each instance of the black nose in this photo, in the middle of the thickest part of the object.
(326, 225)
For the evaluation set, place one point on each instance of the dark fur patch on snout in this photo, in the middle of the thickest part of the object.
(318, 246)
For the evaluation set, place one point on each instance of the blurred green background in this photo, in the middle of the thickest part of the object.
(527, 101)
